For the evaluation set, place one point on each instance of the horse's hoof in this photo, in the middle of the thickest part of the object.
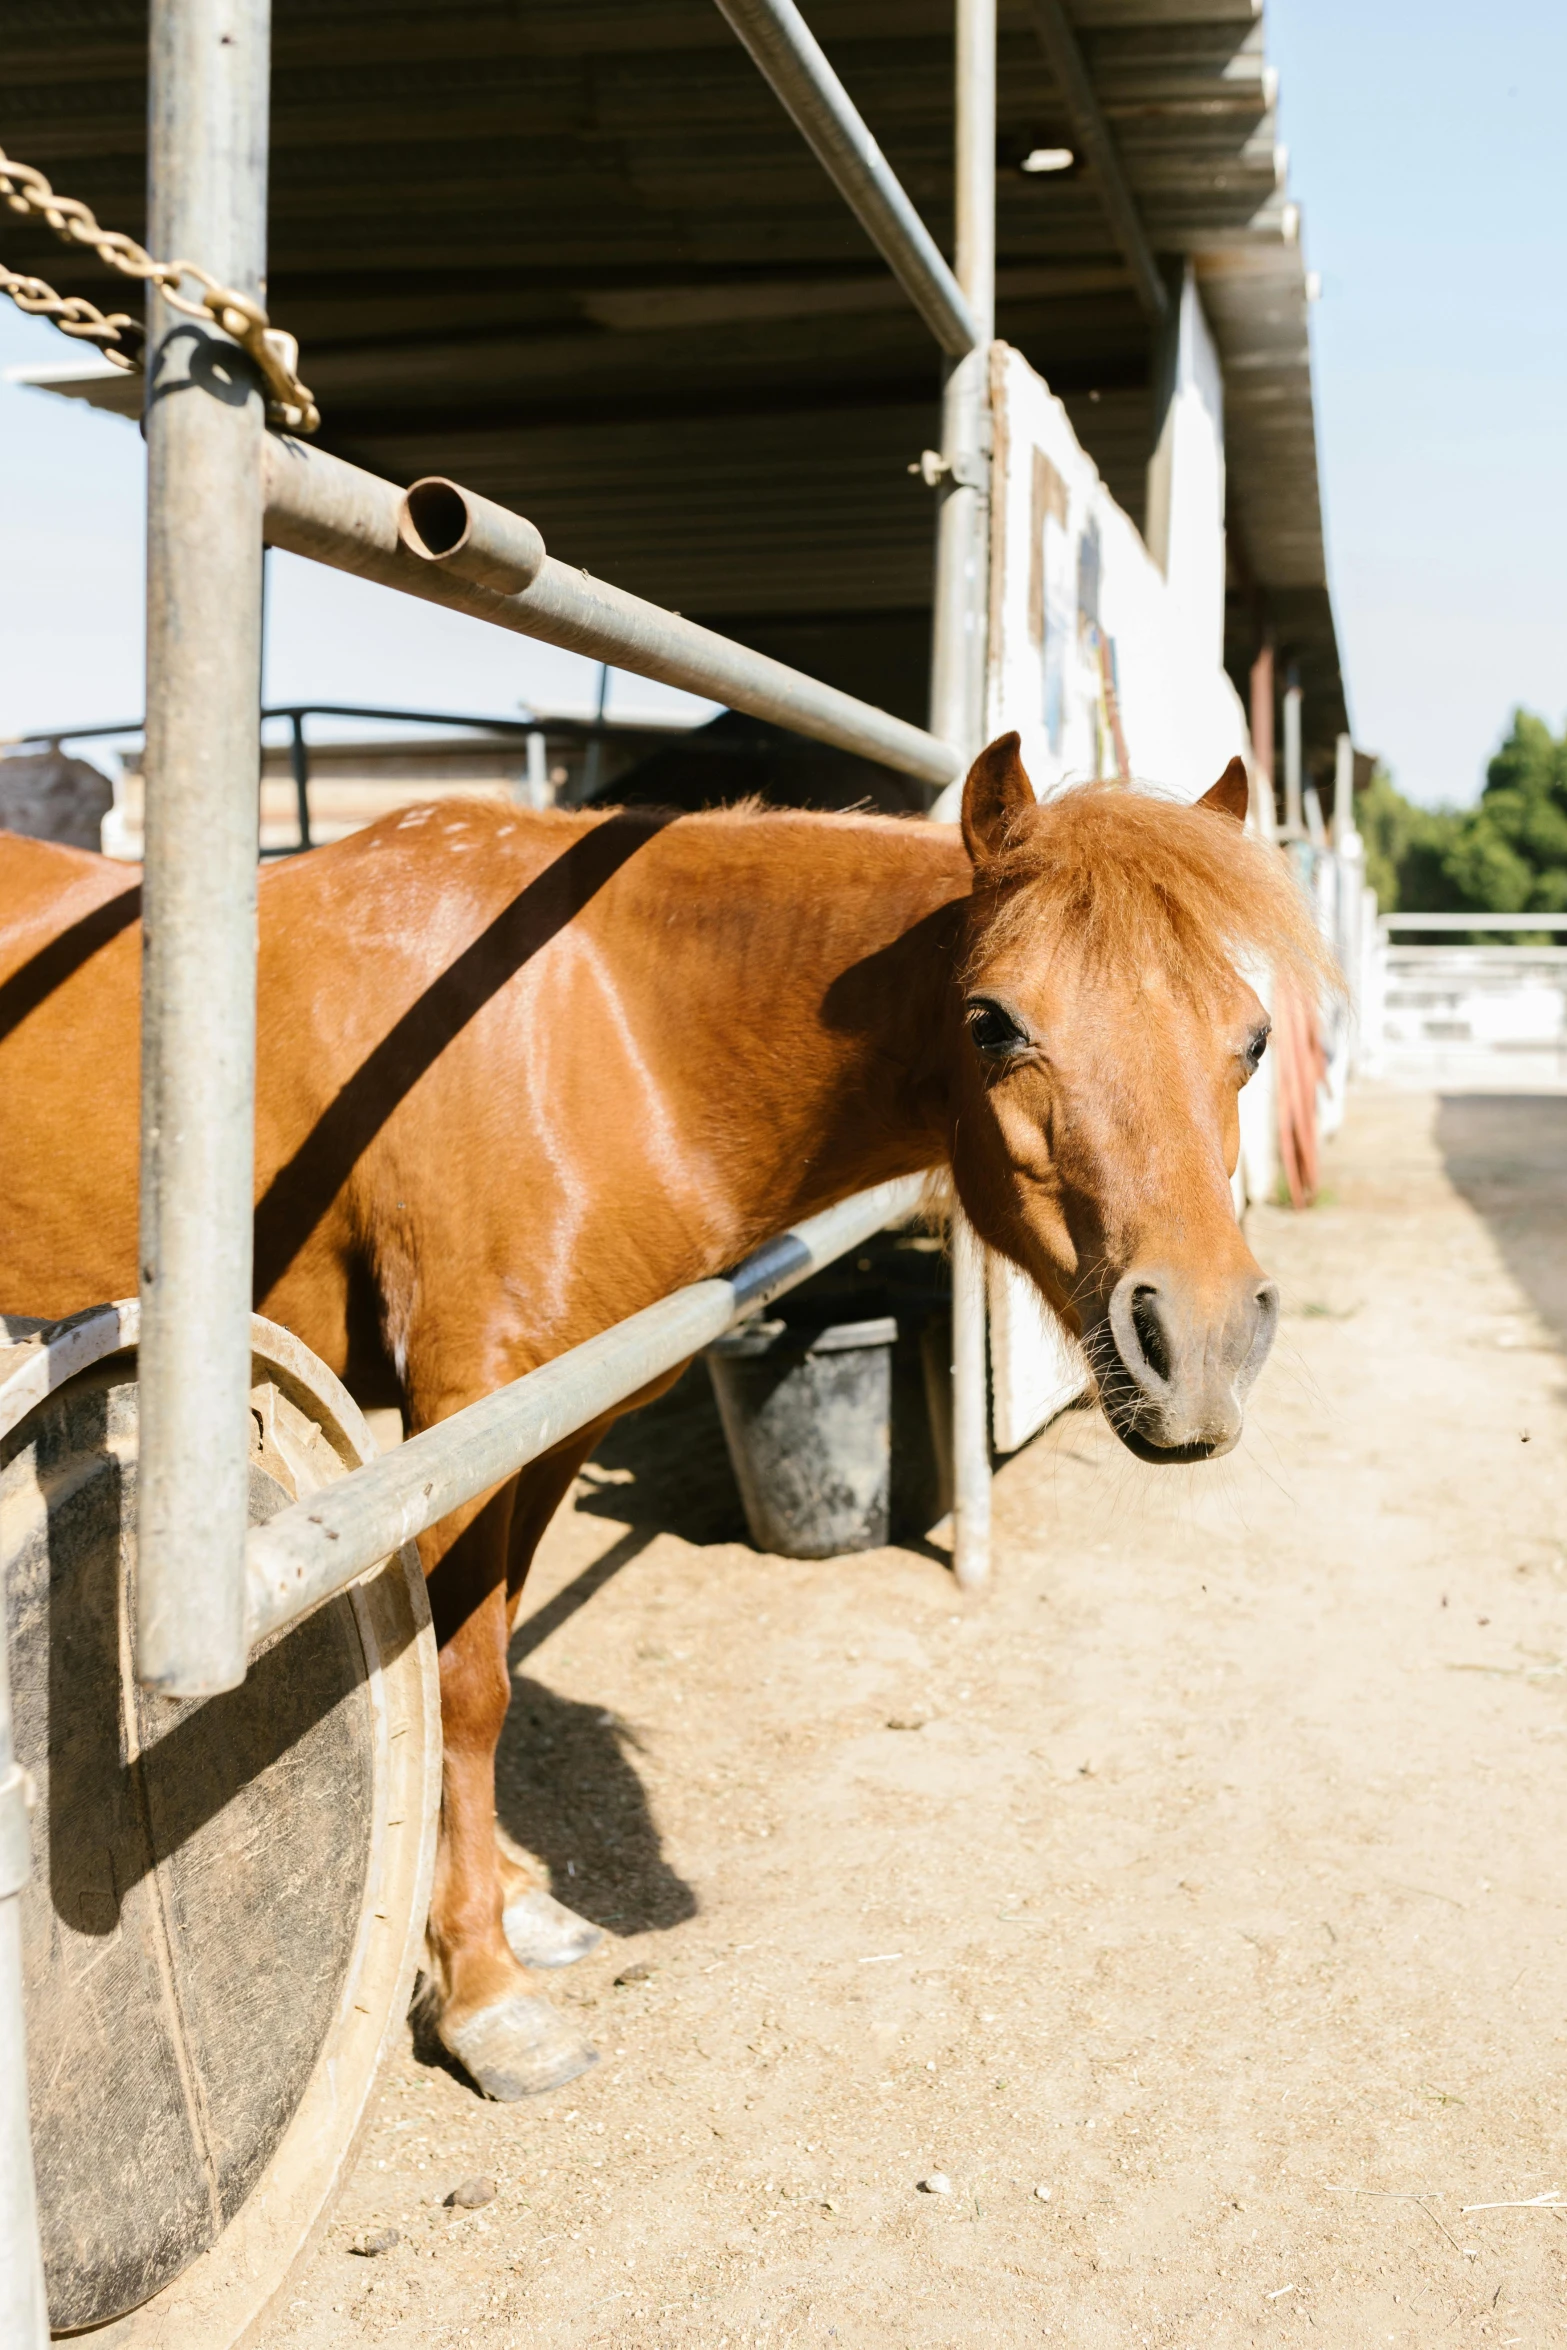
(543, 1932)
(518, 2048)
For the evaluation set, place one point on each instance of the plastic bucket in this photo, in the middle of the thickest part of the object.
(807, 1416)
(921, 1493)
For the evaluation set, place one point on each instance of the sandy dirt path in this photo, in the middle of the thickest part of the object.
(1194, 1901)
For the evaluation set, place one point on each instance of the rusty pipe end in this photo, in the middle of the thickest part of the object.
(470, 536)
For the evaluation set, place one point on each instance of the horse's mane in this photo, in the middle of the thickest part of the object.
(1137, 880)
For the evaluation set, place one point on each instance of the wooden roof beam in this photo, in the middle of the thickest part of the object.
(1060, 43)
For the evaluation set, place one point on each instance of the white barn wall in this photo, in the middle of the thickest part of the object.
(1185, 528)
(1182, 718)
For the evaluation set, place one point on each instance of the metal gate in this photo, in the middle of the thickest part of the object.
(219, 486)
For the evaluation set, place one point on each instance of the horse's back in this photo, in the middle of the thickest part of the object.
(45, 887)
(69, 971)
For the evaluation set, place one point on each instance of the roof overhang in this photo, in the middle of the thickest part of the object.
(573, 252)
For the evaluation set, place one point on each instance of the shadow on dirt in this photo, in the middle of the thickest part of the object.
(1507, 1155)
(568, 1789)
(567, 1785)
(666, 1469)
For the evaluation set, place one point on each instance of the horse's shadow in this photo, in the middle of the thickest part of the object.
(567, 1783)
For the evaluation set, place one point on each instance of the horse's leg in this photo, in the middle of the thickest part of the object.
(541, 1931)
(489, 2015)
(511, 2041)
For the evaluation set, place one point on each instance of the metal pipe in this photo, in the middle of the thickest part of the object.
(970, 1408)
(299, 762)
(538, 792)
(958, 694)
(1294, 804)
(1344, 826)
(475, 539)
(24, 2313)
(791, 60)
(315, 1547)
(962, 597)
(974, 160)
(593, 763)
(1262, 726)
(319, 506)
(207, 179)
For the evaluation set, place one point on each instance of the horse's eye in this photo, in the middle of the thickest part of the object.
(1257, 1045)
(994, 1031)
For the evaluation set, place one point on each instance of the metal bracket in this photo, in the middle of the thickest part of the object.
(966, 471)
(17, 1797)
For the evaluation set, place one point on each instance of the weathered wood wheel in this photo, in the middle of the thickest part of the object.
(228, 1896)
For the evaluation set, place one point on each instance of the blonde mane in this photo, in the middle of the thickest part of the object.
(1134, 879)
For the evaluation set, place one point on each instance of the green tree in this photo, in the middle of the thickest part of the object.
(1506, 855)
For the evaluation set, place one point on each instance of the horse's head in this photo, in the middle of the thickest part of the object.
(1109, 1031)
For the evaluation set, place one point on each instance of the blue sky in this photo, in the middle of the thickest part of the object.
(71, 598)
(1427, 154)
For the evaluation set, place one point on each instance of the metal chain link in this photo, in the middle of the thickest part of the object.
(120, 337)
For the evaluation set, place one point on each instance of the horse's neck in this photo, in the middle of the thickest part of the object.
(818, 957)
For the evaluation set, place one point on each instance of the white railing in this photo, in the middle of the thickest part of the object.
(1483, 1016)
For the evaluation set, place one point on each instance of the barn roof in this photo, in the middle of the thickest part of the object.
(573, 253)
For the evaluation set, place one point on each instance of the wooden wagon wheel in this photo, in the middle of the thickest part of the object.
(228, 1896)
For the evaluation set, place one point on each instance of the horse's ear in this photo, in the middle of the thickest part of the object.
(995, 796)
(1230, 795)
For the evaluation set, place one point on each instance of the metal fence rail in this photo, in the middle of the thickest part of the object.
(533, 731)
(320, 506)
(1391, 922)
(537, 722)
(315, 1547)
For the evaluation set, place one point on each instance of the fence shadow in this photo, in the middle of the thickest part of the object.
(1506, 1154)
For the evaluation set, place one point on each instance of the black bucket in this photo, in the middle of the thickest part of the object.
(913, 1292)
(808, 1418)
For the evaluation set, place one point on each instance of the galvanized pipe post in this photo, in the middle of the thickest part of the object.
(207, 182)
(24, 2313)
(957, 694)
(791, 58)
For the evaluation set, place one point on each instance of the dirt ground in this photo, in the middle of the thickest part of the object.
(1193, 1901)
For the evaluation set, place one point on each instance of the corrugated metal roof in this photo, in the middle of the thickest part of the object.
(574, 252)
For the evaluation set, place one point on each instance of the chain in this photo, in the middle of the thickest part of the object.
(120, 337)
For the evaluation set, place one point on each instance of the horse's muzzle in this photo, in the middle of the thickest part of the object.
(1174, 1369)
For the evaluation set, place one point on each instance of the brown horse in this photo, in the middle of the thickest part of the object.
(520, 1075)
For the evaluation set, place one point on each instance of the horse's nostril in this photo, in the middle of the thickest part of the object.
(1150, 1331)
(1264, 1329)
